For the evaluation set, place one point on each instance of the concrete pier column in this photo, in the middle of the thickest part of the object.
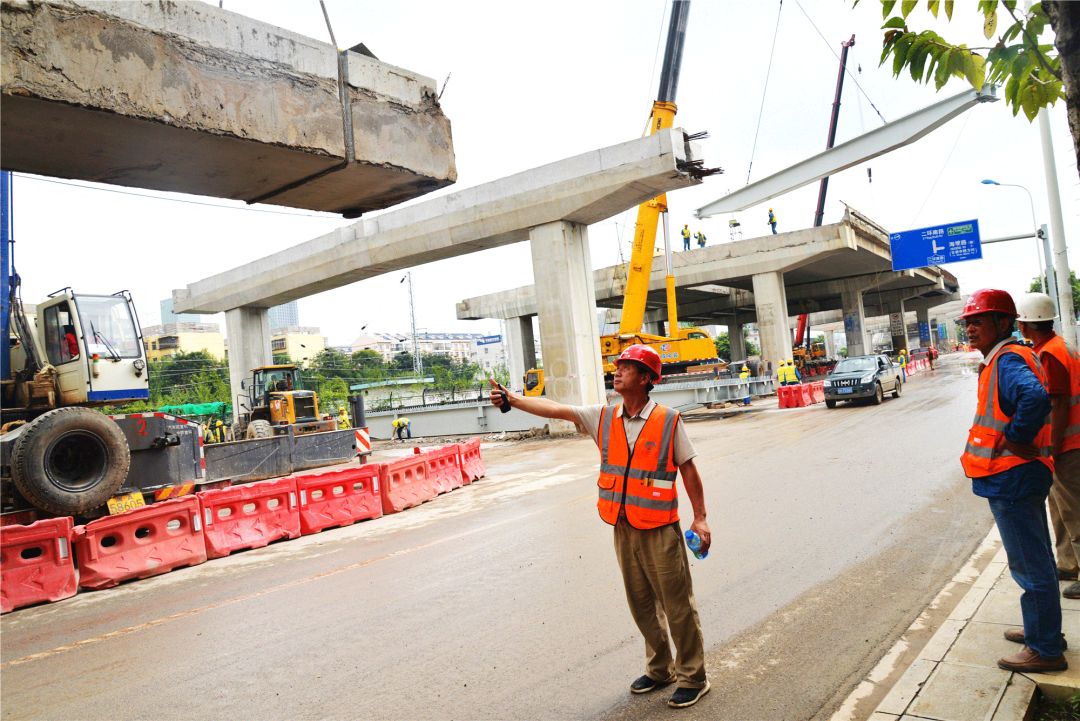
(830, 343)
(922, 318)
(520, 349)
(566, 305)
(737, 341)
(770, 302)
(854, 318)
(898, 334)
(248, 330)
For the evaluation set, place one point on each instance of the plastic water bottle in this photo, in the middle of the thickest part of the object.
(693, 540)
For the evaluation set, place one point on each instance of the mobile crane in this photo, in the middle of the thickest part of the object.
(682, 348)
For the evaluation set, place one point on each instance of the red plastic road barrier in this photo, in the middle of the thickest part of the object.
(249, 516)
(472, 463)
(141, 543)
(36, 562)
(805, 399)
(783, 397)
(339, 498)
(363, 441)
(444, 468)
(817, 391)
(405, 483)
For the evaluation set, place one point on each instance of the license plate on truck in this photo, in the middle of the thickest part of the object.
(844, 390)
(126, 502)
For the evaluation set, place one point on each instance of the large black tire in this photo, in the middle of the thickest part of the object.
(830, 404)
(70, 460)
(259, 429)
(879, 395)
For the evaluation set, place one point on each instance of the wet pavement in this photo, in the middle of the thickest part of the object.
(832, 531)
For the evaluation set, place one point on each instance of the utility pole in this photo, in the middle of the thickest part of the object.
(1066, 312)
(418, 364)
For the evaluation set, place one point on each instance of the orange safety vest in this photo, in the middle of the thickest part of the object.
(982, 456)
(642, 482)
(1068, 358)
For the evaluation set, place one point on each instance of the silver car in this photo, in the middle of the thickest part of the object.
(865, 376)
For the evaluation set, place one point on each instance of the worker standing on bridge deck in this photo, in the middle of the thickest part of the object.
(686, 236)
(1008, 458)
(643, 447)
(700, 238)
(772, 221)
(1062, 366)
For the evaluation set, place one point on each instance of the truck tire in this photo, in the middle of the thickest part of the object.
(879, 395)
(70, 460)
(259, 429)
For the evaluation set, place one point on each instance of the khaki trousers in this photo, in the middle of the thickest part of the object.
(1065, 509)
(656, 575)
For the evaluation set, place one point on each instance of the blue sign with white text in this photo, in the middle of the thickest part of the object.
(937, 245)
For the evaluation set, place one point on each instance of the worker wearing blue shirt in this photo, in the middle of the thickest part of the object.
(1009, 460)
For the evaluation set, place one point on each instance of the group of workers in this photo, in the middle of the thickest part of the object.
(787, 373)
(1023, 448)
(698, 236)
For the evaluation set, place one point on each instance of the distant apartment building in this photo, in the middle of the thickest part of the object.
(284, 316)
(489, 352)
(300, 343)
(459, 346)
(169, 339)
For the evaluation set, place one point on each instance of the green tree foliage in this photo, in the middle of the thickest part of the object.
(723, 347)
(1037, 287)
(188, 378)
(1030, 71)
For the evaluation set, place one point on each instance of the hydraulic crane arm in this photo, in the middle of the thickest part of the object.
(649, 213)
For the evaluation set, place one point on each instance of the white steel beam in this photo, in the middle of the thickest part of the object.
(877, 142)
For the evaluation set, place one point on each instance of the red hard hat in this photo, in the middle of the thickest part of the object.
(644, 355)
(989, 300)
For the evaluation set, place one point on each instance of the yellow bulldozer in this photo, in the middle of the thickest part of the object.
(277, 402)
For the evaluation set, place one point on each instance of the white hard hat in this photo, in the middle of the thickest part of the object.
(1035, 307)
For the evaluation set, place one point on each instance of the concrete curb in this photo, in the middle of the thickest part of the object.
(955, 676)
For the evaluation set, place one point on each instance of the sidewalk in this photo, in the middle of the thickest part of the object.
(956, 678)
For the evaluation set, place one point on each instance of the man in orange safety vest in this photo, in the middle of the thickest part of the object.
(643, 449)
(1008, 458)
(1062, 367)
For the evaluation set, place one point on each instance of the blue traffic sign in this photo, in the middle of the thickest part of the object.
(937, 245)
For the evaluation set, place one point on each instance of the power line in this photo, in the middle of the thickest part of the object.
(831, 50)
(172, 200)
(768, 73)
(944, 165)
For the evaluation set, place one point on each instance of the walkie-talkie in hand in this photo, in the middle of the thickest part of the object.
(505, 406)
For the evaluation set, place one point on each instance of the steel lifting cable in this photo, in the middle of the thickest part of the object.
(761, 110)
(846, 70)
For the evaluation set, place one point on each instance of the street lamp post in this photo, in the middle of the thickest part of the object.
(1049, 284)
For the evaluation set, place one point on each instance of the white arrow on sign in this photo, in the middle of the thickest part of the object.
(937, 248)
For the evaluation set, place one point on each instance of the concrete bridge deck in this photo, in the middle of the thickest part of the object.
(844, 266)
(187, 97)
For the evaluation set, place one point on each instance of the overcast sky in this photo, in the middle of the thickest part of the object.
(536, 82)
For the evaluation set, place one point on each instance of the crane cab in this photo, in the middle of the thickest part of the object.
(94, 344)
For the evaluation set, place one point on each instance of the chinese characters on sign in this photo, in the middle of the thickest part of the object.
(936, 245)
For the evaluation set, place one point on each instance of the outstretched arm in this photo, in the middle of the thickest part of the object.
(542, 407)
(692, 483)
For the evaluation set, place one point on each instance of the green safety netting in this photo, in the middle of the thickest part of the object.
(199, 409)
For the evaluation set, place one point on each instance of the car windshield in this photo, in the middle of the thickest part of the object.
(854, 365)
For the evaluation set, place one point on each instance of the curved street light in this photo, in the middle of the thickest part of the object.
(1034, 229)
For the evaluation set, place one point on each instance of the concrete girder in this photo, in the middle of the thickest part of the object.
(583, 189)
(862, 148)
(187, 97)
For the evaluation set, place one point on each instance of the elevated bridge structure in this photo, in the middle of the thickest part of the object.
(844, 266)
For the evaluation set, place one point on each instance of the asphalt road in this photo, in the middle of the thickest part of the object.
(832, 530)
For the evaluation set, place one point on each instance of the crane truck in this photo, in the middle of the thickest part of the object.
(682, 349)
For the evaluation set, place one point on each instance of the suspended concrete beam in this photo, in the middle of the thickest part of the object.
(877, 142)
(187, 97)
(583, 189)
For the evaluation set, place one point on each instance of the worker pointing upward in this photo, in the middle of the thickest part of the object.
(643, 449)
